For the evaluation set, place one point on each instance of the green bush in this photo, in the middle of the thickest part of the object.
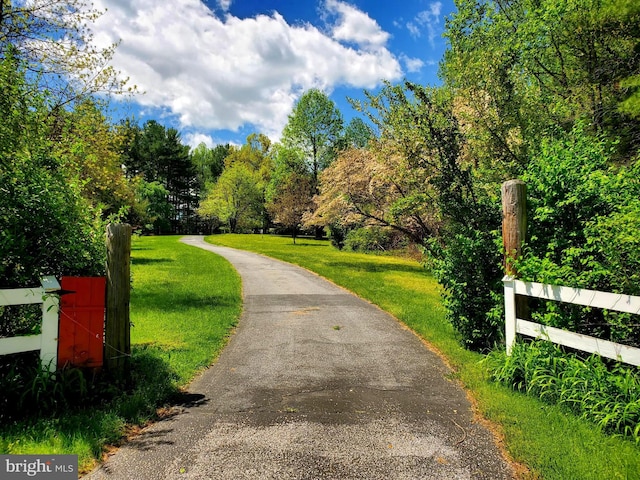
(46, 228)
(583, 224)
(371, 239)
(470, 270)
(337, 234)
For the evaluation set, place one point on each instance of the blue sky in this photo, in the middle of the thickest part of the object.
(219, 70)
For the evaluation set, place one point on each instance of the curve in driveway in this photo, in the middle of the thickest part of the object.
(314, 384)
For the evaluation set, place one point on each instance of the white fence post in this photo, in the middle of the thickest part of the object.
(509, 312)
(49, 337)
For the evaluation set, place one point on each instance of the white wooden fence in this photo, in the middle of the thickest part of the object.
(577, 296)
(47, 340)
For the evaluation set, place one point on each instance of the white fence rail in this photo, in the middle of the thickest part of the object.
(47, 340)
(578, 296)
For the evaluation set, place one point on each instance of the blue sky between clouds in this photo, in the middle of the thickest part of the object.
(219, 70)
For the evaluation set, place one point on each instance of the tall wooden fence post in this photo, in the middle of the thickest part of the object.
(514, 221)
(514, 231)
(117, 336)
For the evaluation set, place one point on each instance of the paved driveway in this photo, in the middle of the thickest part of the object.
(314, 384)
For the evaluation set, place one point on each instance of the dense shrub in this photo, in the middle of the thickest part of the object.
(583, 224)
(372, 239)
(470, 270)
(583, 229)
(337, 234)
(46, 228)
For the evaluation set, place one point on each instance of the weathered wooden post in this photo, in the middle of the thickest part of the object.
(117, 336)
(514, 221)
(514, 230)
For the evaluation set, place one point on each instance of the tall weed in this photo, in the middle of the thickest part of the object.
(606, 393)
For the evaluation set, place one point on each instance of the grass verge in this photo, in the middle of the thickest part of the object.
(184, 303)
(551, 442)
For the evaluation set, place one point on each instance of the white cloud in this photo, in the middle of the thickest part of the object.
(355, 26)
(427, 20)
(413, 64)
(224, 4)
(414, 30)
(215, 73)
(193, 139)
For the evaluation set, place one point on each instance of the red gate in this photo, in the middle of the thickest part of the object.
(81, 328)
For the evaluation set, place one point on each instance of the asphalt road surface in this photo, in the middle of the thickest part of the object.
(314, 384)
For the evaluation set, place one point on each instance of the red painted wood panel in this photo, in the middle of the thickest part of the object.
(81, 330)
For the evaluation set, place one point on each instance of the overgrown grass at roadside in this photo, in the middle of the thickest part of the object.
(606, 395)
(184, 303)
(552, 443)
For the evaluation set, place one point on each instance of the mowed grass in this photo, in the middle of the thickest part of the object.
(184, 303)
(549, 442)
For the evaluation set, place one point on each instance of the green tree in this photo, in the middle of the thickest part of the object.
(209, 162)
(46, 226)
(296, 201)
(357, 134)
(518, 68)
(90, 148)
(516, 73)
(628, 12)
(179, 177)
(432, 194)
(153, 207)
(143, 148)
(156, 154)
(255, 156)
(53, 39)
(291, 202)
(418, 126)
(236, 199)
(314, 127)
(285, 162)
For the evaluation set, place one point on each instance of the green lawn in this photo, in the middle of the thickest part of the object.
(184, 303)
(552, 443)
